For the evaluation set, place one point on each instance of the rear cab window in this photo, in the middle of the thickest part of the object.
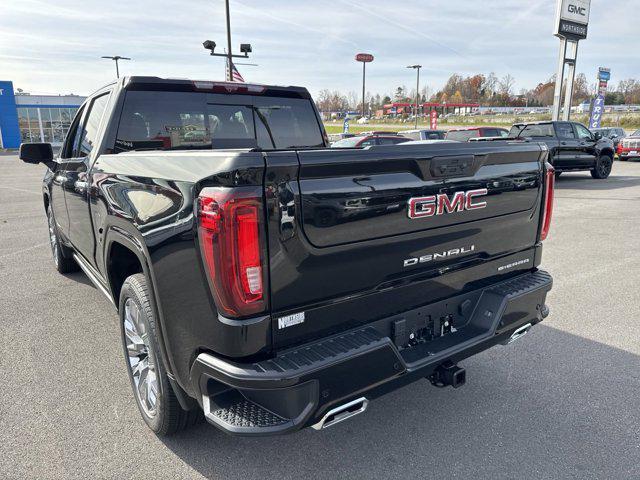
(535, 130)
(173, 120)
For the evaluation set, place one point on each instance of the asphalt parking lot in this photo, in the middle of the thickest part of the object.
(564, 402)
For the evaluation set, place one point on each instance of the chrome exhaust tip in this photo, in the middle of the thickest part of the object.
(518, 334)
(342, 413)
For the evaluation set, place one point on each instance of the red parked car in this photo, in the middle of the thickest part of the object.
(629, 147)
(465, 134)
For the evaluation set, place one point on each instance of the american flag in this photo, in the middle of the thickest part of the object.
(236, 77)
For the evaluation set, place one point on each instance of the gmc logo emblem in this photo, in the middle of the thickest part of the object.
(419, 207)
(578, 10)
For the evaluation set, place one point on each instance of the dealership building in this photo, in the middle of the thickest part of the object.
(34, 118)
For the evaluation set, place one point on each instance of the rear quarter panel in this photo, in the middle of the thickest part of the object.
(148, 198)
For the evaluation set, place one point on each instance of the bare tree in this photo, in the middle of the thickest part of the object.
(505, 86)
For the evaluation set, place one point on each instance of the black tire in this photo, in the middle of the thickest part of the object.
(622, 159)
(603, 167)
(62, 256)
(168, 416)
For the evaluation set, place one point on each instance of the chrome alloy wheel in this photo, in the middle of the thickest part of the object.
(140, 356)
(53, 239)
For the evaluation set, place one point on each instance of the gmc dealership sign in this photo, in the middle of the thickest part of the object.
(572, 19)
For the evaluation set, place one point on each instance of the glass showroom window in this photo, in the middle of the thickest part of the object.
(29, 124)
(45, 124)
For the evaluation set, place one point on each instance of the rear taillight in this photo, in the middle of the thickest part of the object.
(232, 242)
(549, 186)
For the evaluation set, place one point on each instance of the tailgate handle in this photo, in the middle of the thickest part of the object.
(452, 166)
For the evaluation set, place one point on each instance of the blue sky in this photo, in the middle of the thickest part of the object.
(55, 47)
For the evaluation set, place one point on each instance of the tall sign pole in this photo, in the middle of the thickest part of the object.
(364, 58)
(570, 58)
(417, 69)
(571, 25)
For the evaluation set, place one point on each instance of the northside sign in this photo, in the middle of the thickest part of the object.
(572, 19)
(364, 57)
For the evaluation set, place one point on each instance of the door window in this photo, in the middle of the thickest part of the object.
(565, 130)
(72, 136)
(583, 133)
(90, 131)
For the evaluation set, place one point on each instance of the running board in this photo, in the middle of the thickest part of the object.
(93, 276)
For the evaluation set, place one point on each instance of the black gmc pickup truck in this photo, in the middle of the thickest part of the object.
(274, 283)
(572, 147)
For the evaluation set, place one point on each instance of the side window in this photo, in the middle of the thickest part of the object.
(368, 142)
(565, 130)
(72, 135)
(412, 135)
(583, 133)
(91, 125)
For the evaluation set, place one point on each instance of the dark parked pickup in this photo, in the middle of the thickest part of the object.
(571, 146)
(275, 283)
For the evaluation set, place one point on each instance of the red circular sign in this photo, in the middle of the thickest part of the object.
(364, 57)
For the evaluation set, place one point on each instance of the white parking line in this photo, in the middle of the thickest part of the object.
(10, 254)
(21, 190)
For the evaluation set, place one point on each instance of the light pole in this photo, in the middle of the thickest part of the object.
(417, 69)
(364, 58)
(245, 48)
(116, 58)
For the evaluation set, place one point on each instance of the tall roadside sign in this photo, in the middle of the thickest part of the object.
(364, 58)
(571, 26)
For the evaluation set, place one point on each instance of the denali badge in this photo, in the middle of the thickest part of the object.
(290, 320)
(454, 252)
(440, 204)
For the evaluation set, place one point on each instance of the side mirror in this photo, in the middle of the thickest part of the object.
(613, 137)
(35, 153)
(597, 135)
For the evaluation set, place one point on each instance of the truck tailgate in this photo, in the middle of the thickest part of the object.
(353, 224)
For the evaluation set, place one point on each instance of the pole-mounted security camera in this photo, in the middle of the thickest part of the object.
(209, 45)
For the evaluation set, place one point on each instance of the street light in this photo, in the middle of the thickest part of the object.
(417, 69)
(245, 48)
(116, 58)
